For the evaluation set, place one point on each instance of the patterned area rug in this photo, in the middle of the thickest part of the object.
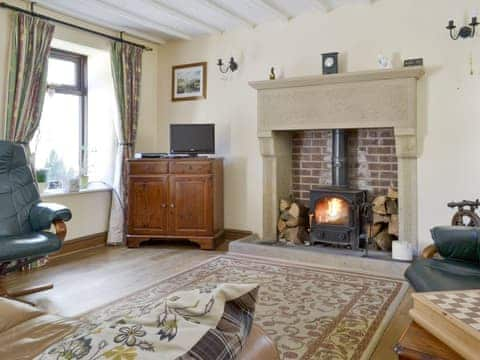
(310, 312)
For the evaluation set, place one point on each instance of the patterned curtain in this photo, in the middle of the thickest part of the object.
(30, 47)
(127, 71)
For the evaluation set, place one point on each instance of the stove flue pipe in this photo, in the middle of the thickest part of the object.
(339, 158)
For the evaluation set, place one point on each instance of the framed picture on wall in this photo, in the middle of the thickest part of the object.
(189, 82)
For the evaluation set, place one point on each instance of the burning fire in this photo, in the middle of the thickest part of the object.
(332, 210)
(334, 207)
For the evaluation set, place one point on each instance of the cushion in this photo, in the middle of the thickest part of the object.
(28, 245)
(442, 275)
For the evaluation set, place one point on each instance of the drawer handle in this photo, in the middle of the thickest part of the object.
(172, 205)
(163, 206)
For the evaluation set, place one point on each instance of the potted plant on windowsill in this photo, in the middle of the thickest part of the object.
(41, 175)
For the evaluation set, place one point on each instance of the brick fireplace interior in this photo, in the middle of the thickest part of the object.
(372, 162)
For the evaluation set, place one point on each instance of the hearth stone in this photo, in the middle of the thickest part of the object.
(377, 262)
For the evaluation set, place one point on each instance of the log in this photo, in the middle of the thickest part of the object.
(384, 240)
(284, 204)
(293, 222)
(281, 226)
(298, 210)
(291, 234)
(379, 205)
(296, 235)
(284, 215)
(294, 210)
(374, 230)
(379, 219)
(392, 193)
(393, 225)
(303, 236)
(392, 206)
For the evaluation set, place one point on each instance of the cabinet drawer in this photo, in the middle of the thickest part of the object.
(191, 167)
(147, 168)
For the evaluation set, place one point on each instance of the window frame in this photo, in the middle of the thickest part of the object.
(80, 90)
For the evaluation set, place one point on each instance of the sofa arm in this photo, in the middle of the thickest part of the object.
(457, 242)
(43, 215)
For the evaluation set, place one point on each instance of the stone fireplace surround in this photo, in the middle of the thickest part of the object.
(358, 100)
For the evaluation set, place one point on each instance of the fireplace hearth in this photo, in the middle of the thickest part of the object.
(335, 216)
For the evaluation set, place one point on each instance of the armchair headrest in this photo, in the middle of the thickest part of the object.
(457, 242)
(12, 155)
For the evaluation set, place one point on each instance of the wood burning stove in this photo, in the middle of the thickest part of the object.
(335, 216)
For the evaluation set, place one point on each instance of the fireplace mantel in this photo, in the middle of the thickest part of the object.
(364, 99)
(357, 76)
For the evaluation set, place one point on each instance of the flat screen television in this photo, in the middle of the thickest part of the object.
(192, 139)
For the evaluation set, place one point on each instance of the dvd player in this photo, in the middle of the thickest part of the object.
(159, 155)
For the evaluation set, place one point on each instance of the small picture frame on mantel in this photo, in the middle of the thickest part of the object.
(189, 82)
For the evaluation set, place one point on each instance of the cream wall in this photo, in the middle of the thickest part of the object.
(449, 108)
(91, 210)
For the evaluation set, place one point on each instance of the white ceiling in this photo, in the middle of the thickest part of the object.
(163, 20)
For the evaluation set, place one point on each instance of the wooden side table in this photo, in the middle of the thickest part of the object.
(418, 344)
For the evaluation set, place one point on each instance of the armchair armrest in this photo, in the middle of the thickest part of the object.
(43, 215)
(457, 242)
(429, 251)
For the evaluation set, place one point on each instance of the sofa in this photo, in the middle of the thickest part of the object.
(452, 262)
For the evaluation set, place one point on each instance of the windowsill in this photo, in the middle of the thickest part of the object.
(92, 188)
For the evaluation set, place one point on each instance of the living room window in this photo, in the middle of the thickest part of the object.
(60, 143)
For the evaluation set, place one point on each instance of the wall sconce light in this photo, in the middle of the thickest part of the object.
(225, 68)
(467, 31)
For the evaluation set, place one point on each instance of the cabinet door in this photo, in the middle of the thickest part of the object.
(148, 205)
(191, 205)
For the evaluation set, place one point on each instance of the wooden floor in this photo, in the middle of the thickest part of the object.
(88, 279)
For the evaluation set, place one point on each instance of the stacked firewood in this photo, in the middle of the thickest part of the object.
(385, 220)
(292, 222)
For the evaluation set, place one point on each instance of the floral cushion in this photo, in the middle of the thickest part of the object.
(210, 323)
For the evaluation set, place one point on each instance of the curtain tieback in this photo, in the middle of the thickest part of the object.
(125, 144)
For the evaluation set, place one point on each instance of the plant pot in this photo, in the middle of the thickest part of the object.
(42, 187)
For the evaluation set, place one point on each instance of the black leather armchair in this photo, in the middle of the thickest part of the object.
(456, 268)
(25, 221)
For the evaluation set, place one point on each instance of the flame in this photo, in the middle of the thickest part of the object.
(334, 207)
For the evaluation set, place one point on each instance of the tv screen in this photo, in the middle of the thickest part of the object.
(192, 138)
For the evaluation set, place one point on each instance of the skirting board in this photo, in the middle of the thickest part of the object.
(100, 240)
(234, 234)
(83, 243)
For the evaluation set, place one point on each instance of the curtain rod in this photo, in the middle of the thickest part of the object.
(48, 18)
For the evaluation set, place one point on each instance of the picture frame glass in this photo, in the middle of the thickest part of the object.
(188, 82)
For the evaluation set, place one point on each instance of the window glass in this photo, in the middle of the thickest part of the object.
(57, 140)
(61, 72)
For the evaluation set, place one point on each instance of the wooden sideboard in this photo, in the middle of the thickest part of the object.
(175, 199)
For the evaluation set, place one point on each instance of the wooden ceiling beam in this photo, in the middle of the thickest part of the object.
(138, 19)
(273, 9)
(92, 19)
(227, 13)
(184, 17)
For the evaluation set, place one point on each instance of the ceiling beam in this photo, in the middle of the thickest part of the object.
(273, 9)
(184, 17)
(228, 13)
(74, 13)
(138, 19)
(322, 5)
